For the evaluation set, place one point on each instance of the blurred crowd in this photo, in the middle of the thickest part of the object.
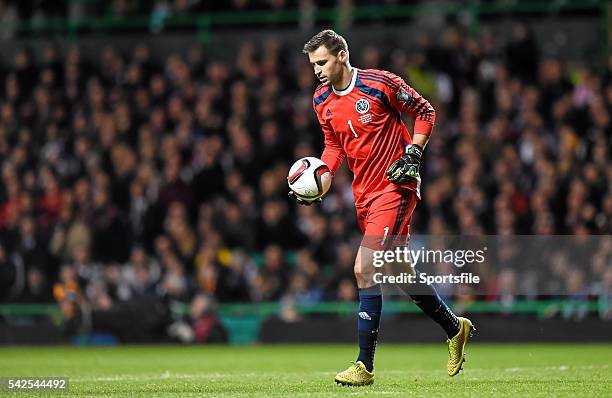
(33, 13)
(28, 9)
(123, 177)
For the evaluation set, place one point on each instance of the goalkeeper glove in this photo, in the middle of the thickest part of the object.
(301, 201)
(406, 168)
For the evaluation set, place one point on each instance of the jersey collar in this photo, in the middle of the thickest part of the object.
(350, 86)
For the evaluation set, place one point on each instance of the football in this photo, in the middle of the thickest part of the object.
(309, 178)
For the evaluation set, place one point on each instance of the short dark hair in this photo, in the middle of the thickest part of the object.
(328, 38)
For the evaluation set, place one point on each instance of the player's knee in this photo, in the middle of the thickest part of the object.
(362, 271)
(357, 271)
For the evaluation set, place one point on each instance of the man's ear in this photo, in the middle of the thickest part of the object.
(342, 56)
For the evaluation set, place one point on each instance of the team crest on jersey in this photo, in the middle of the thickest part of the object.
(362, 106)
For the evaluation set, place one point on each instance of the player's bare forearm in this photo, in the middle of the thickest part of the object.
(420, 140)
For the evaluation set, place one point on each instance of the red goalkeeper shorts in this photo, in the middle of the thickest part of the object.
(388, 216)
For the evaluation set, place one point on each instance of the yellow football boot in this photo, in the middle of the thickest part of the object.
(355, 375)
(456, 346)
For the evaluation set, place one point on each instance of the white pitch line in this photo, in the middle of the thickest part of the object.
(168, 375)
(561, 368)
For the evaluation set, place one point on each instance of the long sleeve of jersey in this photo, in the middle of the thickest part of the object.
(404, 98)
(333, 153)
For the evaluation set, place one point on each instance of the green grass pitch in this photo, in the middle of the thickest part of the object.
(508, 370)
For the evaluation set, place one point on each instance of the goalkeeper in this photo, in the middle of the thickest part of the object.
(360, 114)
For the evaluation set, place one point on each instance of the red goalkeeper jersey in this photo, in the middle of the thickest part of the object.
(363, 123)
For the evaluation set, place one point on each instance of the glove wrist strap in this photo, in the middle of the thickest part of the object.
(417, 148)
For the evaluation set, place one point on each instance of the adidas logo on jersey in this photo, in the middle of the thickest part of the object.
(364, 315)
(328, 113)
